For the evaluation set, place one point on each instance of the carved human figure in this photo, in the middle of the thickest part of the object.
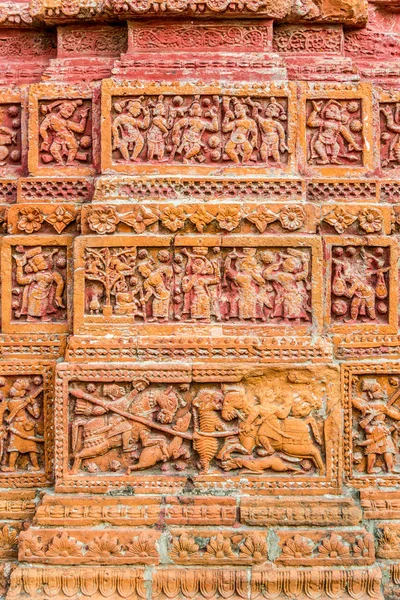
(392, 118)
(273, 136)
(270, 424)
(187, 132)
(58, 131)
(130, 421)
(245, 273)
(211, 270)
(157, 285)
(376, 407)
(359, 276)
(157, 132)
(291, 274)
(198, 283)
(126, 302)
(243, 131)
(331, 121)
(43, 284)
(127, 127)
(19, 414)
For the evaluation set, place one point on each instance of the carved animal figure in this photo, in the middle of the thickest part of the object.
(270, 428)
(104, 430)
(207, 423)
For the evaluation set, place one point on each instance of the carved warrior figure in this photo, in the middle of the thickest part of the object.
(126, 421)
(360, 277)
(379, 423)
(392, 121)
(37, 271)
(231, 429)
(335, 127)
(197, 129)
(199, 284)
(270, 425)
(62, 130)
(20, 413)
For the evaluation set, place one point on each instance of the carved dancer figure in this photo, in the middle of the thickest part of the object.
(43, 285)
(126, 128)
(331, 121)
(58, 130)
(375, 408)
(20, 412)
(243, 131)
(273, 136)
(188, 131)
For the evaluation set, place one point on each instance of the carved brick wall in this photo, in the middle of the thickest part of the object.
(200, 345)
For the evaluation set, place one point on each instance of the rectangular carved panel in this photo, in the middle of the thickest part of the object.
(136, 282)
(177, 126)
(153, 427)
(27, 437)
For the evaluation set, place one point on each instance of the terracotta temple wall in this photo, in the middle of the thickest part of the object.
(200, 350)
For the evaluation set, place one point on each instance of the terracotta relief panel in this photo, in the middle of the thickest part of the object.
(136, 283)
(389, 108)
(371, 413)
(152, 429)
(36, 282)
(62, 124)
(12, 131)
(199, 296)
(26, 441)
(362, 285)
(174, 126)
(335, 129)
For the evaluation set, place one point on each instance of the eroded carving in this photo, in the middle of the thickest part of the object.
(271, 424)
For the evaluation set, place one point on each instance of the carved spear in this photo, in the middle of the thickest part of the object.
(188, 436)
(79, 394)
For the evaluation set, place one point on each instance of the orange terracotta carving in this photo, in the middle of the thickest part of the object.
(199, 290)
